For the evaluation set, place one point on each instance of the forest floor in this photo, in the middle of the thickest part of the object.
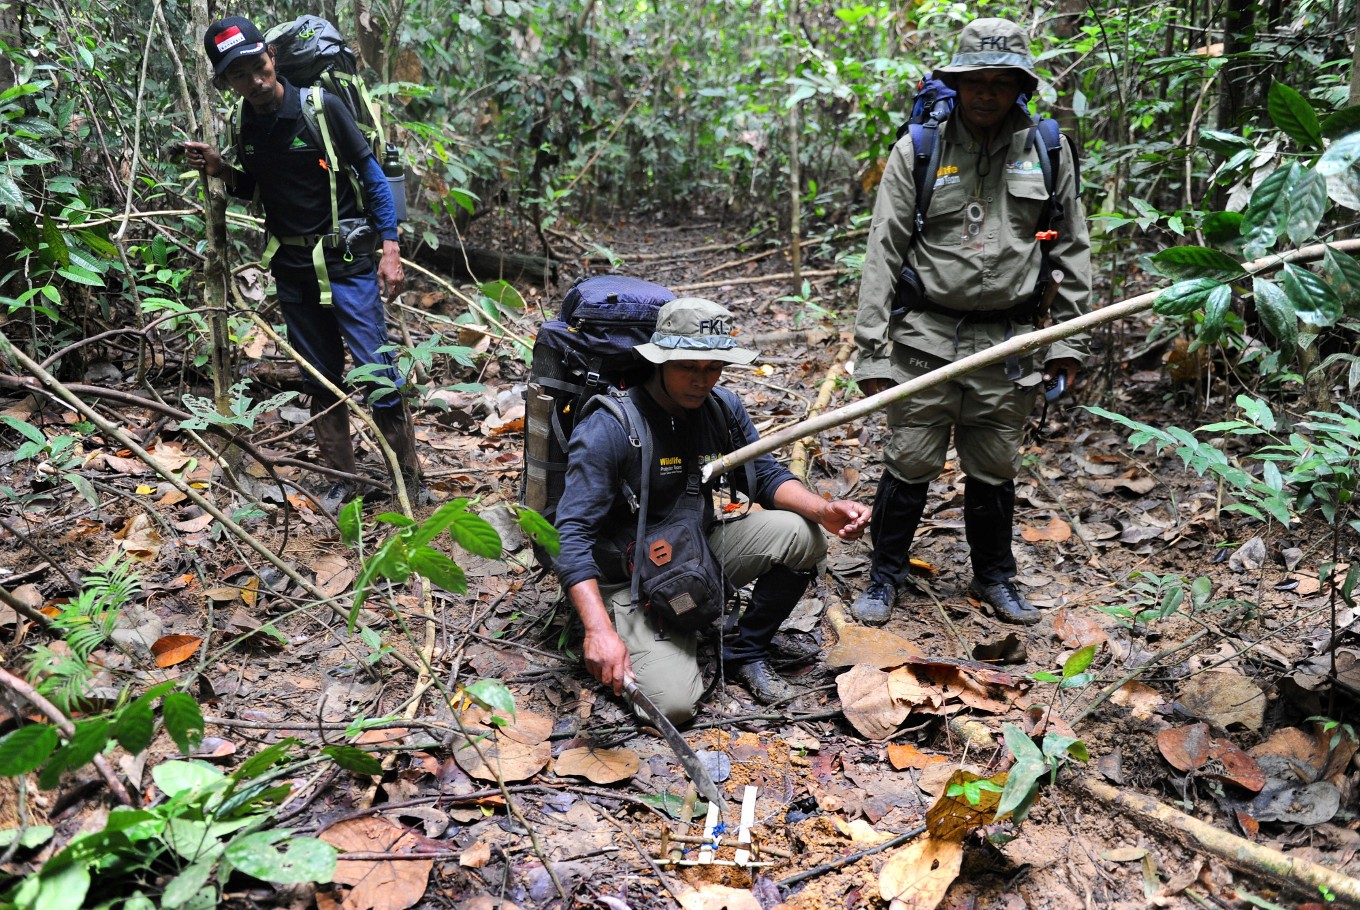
(1215, 716)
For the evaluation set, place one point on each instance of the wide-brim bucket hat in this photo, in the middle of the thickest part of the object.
(988, 44)
(692, 328)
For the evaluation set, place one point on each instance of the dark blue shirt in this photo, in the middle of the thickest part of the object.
(600, 461)
(281, 158)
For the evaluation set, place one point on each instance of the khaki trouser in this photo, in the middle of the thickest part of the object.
(666, 664)
(985, 410)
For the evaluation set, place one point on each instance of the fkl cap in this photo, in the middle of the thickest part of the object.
(692, 328)
(229, 39)
(993, 44)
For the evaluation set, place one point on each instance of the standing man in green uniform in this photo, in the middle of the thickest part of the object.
(974, 275)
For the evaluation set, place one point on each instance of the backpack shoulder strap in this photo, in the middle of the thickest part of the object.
(720, 412)
(925, 159)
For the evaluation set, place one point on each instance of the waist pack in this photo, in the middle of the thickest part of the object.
(675, 574)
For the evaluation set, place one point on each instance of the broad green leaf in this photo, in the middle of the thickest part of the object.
(1314, 300)
(33, 836)
(55, 253)
(350, 519)
(81, 275)
(352, 759)
(1225, 144)
(1184, 262)
(134, 726)
(1268, 199)
(1340, 156)
(183, 720)
(184, 887)
(1341, 123)
(1222, 227)
(29, 431)
(1215, 312)
(440, 569)
(1257, 411)
(437, 523)
(1185, 297)
(1277, 313)
(476, 535)
(1292, 113)
(10, 194)
(26, 748)
(537, 529)
(1022, 782)
(491, 694)
(1342, 272)
(302, 859)
(1079, 661)
(63, 888)
(265, 759)
(1307, 201)
(1056, 746)
(89, 739)
(504, 293)
(176, 777)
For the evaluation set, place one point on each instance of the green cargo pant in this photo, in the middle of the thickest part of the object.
(985, 410)
(666, 664)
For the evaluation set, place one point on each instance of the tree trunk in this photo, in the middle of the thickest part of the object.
(216, 274)
(1239, 31)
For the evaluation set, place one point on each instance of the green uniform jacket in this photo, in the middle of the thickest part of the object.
(993, 268)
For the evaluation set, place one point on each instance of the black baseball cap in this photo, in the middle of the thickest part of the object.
(229, 39)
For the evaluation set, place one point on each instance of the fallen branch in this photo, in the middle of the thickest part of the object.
(757, 279)
(798, 463)
(1297, 872)
(68, 729)
(1023, 344)
(899, 840)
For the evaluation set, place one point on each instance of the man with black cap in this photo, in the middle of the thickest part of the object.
(321, 244)
(778, 546)
(974, 273)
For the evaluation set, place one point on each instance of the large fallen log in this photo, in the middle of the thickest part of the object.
(1024, 344)
(453, 258)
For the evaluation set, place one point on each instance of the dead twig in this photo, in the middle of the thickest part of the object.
(798, 464)
(815, 871)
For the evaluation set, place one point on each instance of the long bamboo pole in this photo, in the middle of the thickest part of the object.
(1023, 344)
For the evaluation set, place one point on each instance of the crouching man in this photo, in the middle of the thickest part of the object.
(690, 421)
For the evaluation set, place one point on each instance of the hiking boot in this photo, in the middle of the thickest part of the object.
(875, 605)
(336, 495)
(798, 646)
(765, 685)
(1006, 601)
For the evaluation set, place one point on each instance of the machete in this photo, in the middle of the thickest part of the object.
(694, 767)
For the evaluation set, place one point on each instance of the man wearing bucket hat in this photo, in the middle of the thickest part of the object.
(966, 280)
(329, 289)
(778, 546)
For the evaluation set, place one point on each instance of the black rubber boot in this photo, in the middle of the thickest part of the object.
(765, 685)
(330, 426)
(988, 520)
(397, 428)
(898, 507)
(773, 598)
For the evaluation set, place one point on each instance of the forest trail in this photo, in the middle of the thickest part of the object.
(1203, 694)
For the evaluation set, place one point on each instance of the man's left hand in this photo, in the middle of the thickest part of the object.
(846, 519)
(390, 274)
